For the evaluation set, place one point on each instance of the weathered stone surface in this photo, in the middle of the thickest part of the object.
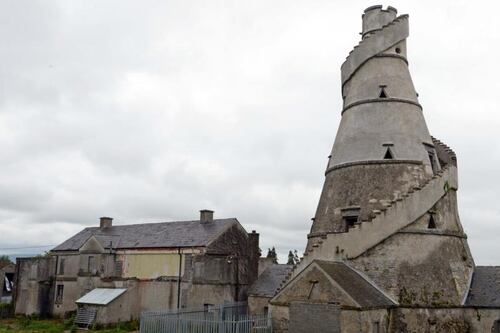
(367, 186)
(310, 317)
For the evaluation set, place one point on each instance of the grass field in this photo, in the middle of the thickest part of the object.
(31, 325)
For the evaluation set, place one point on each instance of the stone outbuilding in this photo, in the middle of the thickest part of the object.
(160, 266)
(261, 292)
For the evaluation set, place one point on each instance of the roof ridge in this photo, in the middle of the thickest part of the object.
(163, 222)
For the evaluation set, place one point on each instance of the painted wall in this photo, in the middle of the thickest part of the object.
(151, 265)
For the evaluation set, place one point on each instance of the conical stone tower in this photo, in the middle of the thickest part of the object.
(388, 205)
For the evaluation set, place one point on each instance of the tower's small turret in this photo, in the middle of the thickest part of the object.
(374, 18)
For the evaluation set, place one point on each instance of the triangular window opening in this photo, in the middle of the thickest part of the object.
(382, 93)
(432, 222)
(388, 155)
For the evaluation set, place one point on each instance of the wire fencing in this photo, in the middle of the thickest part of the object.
(224, 318)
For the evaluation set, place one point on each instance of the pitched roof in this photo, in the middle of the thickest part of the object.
(151, 235)
(269, 281)
(353, 283)
(485, 287)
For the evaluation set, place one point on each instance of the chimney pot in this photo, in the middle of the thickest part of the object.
(106, 222)
(206, 216)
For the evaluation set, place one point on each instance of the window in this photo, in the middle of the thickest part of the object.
(91, 265)
(376, 327)
(382, 93)
(431, 152)
(350, 221)
(398, 50)
(59, 293)
(350, 217)
(433, 161)
(61, 266)
(118, 268)
(432, 222)
(207, 307)
(496, 327)
(388, 154)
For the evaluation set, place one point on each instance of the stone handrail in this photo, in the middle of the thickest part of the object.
(397, 215)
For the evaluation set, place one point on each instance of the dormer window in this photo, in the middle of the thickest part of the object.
(350, 217)
(431, 152)
(388, 154)
(382, 93)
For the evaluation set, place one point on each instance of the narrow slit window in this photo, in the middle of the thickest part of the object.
(59, 293)
(433, 162)
(432, 222)
(388, 155)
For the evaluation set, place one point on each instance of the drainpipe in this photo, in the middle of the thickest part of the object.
(236, 287)
(179, 279)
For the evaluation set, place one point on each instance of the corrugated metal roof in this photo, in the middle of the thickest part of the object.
(151, 235)
(101, 296)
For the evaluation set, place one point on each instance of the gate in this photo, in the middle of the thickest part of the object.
(226, 318)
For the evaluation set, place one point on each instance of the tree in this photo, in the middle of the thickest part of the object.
(4, 260)
(271, 253)
(293, 258)
(296, 257)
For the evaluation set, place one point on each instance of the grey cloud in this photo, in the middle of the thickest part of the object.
(152, 110)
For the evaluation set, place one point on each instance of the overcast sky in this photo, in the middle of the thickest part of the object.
(152, 110)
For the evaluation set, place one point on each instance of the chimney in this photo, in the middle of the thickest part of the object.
(105, 222)
(206, 216)
(254, 251)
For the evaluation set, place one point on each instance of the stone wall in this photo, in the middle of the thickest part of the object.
(33, 287)
(258, 304)
(367, 186)
(310, 317)
(422, 266)
(434, 320)
(368, 321)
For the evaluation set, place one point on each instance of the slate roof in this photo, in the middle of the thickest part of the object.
(269, 281)
(485, 287)
(363, 292)
(151, 235)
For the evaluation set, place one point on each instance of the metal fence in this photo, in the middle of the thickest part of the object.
(225, 318)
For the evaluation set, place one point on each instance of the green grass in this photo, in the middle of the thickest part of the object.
(34, 325)
(27, 325)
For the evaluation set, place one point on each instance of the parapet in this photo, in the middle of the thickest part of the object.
(375, 18)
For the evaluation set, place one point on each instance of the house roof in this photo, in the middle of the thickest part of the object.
(6, 265)
(363, 292)
(485, 287)
(269, 281)
(151, 235)
(101, 296)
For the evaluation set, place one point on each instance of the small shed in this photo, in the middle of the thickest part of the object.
(103, 306)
